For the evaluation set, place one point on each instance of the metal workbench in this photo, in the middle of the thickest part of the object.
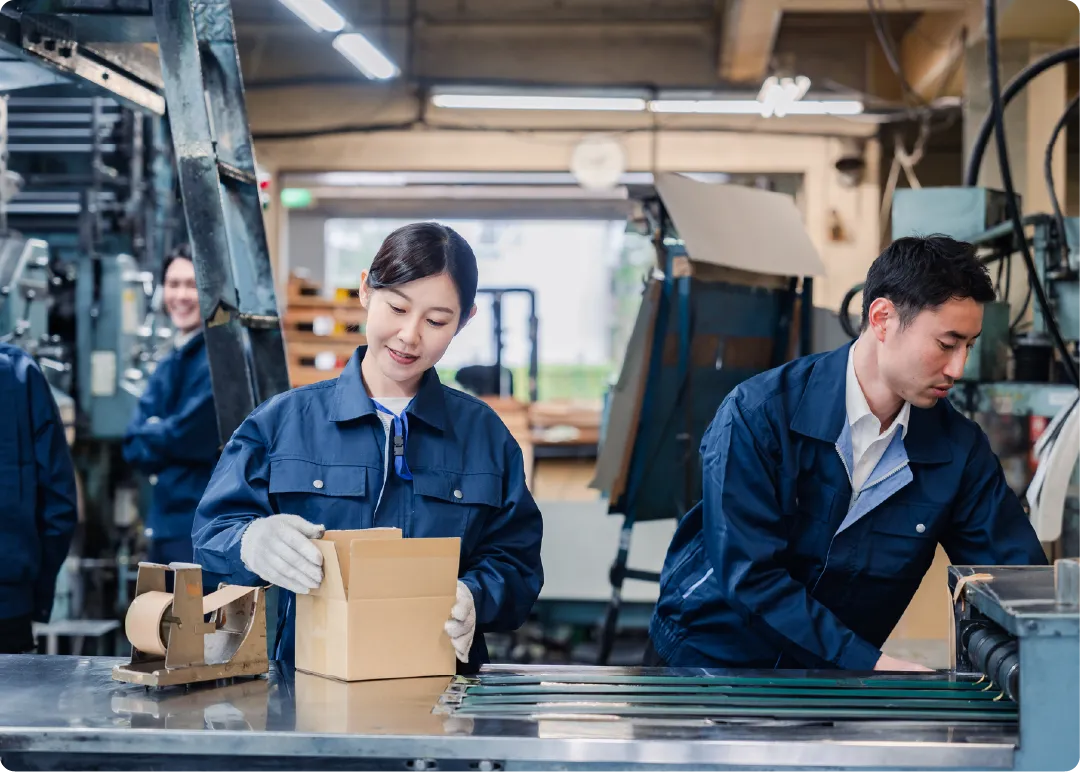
(66, 712)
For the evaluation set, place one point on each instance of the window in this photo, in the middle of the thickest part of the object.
(587, 276)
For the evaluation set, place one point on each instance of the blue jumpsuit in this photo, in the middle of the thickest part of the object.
(173, 437)
(38, 510)
(318, 452)
(779, 566)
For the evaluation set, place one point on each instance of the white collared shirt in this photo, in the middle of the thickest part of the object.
(868, 441)
(180, 339)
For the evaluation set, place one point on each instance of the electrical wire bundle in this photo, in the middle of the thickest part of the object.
(1060, 447)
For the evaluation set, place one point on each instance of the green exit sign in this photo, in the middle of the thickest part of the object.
(296, 198)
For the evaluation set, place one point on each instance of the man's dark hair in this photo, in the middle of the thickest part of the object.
(923, 272)
(179, 252)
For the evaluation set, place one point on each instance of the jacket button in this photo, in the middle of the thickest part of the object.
(318, 483)
(152, 479)
(920, 528)
(457, 494)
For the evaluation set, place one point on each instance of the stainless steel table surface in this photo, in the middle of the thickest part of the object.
(66, 712)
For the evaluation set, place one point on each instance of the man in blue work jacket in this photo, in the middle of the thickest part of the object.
(828, 483)
(37, 499)
(173, 436)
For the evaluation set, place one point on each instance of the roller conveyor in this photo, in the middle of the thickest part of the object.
(718, 698)
(67, 712)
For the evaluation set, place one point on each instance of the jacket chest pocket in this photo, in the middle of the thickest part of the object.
(902, 541)
(812, 527)
(328, 494)
(452, 503)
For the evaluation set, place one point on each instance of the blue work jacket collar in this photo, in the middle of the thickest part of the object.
(351, 400)
(822, 413)
(192, 344)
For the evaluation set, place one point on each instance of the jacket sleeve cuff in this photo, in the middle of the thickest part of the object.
(239, 572)
(859, 655)
(469, 580)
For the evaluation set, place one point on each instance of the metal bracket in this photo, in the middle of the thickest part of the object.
(66, 56)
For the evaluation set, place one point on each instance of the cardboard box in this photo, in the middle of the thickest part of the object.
(380, 609)
(399, 706)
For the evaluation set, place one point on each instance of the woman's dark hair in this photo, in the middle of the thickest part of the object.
(179, 252)
(424, 249)
(923, 272)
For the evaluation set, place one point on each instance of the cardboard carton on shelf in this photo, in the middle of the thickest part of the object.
(380, 609)
(301, 291)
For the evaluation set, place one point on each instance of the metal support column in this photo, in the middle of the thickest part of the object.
(216, 165)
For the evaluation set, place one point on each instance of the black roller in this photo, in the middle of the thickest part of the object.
(1005, 666)
(996, 654)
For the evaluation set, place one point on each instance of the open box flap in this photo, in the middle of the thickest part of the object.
(409, 568)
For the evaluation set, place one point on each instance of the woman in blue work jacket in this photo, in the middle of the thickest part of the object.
(173, 436)
(384, 445)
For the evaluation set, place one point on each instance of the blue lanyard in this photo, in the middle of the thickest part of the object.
(401, 434)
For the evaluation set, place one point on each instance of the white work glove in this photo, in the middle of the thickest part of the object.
(279, 549)
(462, 622)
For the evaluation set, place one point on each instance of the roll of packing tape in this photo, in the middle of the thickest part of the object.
(143, 623)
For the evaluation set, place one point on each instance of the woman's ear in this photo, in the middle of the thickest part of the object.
(472, 313)
(365, 291)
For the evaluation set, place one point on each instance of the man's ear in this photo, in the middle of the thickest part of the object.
(882, 310)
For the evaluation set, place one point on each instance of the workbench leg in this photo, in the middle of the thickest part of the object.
(617, 576)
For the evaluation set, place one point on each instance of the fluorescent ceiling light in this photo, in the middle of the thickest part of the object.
(364, 56)
(753, 107)
(719, 106)
(532, 102)
(346, 179)
(317, 14)
(813, 107)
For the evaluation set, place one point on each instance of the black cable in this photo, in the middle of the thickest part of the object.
(1048, 173)
(997, 284)
(1008, 276)
(998, 110)
(845, 314)
(1012, 88)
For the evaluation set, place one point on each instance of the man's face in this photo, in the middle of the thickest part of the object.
(181, 298)
(922, 361)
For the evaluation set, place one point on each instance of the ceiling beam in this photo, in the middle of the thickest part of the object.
(749, 32)
(932, 50)
(750, 27)
(1049, 21)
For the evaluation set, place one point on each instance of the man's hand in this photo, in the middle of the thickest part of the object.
(892, 664)
(279, 549)
(462, 623)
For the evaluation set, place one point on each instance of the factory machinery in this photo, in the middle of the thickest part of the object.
(93, 173)
(1020, 381)
(1012, 702)
(77, 276)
